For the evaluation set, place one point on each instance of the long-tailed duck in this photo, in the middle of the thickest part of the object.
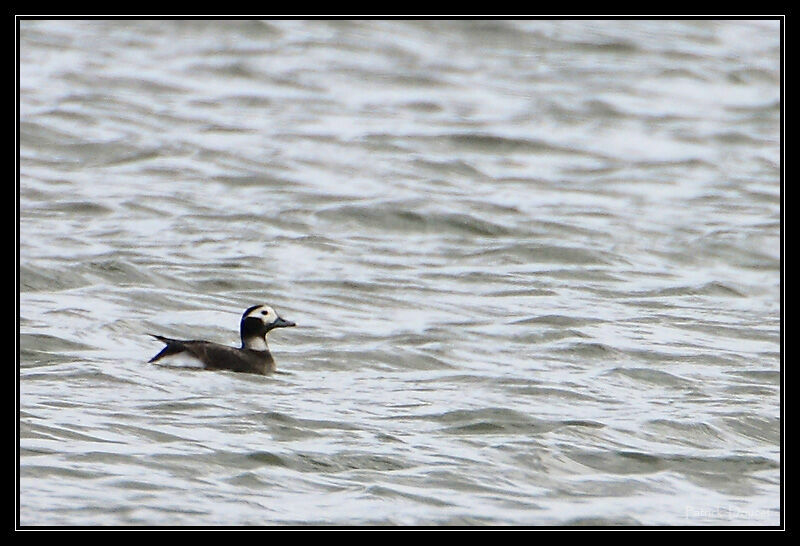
(252, 357)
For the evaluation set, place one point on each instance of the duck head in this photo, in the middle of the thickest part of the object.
(257, 321)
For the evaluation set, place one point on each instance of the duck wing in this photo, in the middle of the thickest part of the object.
(213, 356)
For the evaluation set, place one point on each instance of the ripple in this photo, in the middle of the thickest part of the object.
(653, 377)
(325, 463)
(394, 218)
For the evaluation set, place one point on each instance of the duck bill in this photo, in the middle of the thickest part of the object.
(282, 323)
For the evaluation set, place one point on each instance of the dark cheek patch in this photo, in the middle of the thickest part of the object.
(252, 326)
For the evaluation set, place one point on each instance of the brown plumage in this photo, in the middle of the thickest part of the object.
(252, 357)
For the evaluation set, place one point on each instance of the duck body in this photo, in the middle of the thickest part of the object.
(252, 357)
(213, 356)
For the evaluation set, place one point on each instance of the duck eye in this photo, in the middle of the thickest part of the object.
(264, 313)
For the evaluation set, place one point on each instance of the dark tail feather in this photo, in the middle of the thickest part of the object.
(173, 346)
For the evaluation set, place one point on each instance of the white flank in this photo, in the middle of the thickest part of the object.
(180, 360)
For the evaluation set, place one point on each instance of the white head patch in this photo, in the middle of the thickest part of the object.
(264, 313)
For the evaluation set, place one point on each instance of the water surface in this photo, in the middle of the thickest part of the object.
(535, 267)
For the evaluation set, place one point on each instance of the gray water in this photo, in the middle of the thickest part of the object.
(535, 267)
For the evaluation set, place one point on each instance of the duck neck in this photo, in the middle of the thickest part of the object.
(255, 343)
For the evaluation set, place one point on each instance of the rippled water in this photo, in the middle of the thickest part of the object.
(535, 267)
